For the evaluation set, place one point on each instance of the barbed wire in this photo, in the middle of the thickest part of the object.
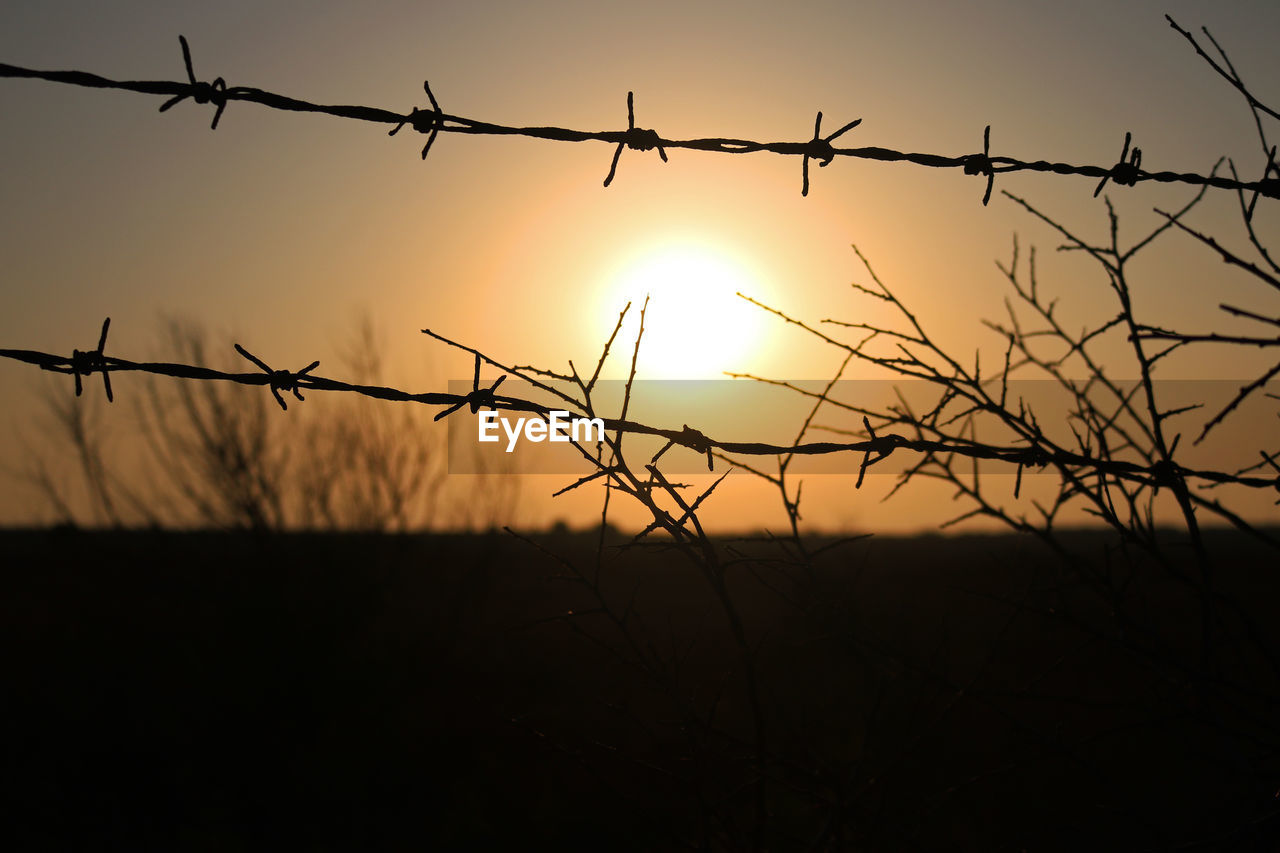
(877, 447)
(1127, 171)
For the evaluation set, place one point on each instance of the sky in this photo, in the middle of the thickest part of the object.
(277, 229)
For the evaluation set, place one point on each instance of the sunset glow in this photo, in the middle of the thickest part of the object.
(696, 326)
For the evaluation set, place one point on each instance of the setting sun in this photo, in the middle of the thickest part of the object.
(696, 326)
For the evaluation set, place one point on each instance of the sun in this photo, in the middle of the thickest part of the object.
(696, 326)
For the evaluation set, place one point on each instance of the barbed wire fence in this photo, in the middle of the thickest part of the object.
(1127, 171)
(1087, 452)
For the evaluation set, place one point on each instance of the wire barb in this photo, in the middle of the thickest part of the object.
(202, 93)
(1127, 171)
(1267, 184)
(281, 380)
(820, 148)
(695, 440)
(85, 363)
(980, 164)
(429, 121)
(635, 138)
(478, 398)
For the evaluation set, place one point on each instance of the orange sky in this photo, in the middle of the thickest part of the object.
(276, 229)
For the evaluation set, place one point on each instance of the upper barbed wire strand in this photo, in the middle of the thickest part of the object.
(435, 121)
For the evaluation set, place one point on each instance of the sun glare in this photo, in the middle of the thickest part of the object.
(696, 327)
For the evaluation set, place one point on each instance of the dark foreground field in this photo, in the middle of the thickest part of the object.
(224, 692)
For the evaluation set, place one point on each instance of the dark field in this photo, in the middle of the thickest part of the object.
(224, 692)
